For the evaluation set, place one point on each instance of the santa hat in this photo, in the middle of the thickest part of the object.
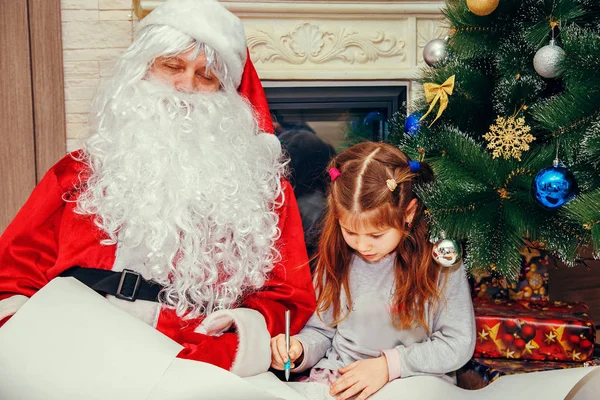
(251, 88)
(209, 22)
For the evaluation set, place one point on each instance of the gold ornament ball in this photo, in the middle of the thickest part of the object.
(533, 267)
(535, 281)
(482, 7)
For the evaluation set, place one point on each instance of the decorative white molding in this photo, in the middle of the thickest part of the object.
(309, 43)
(311, 40)
(285, 7)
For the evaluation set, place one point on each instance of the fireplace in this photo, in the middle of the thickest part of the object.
(333, 65)
(337, 112)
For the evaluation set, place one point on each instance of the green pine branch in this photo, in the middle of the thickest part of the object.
(582, 57)
(562, 12)
(585, 209)
(487, 202)
(591, 145)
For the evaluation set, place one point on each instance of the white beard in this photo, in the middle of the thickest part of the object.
(187, 176)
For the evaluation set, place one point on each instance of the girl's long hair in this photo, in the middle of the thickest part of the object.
(361, 194)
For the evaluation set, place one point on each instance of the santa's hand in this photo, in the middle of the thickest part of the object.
(215, 324)
(279, 352)
(364, 376)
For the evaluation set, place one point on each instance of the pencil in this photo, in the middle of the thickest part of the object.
(287, 345)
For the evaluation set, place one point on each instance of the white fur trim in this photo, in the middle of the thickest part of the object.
(254, 350)
(11, 305)
(272, 143)
(208, 22)
(215, 325)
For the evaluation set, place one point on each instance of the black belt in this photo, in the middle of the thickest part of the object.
(125, 285)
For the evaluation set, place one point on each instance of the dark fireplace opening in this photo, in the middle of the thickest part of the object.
(337, 114)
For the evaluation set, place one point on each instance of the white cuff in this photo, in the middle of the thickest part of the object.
(11, 305)
(253, 354)
(392, 357)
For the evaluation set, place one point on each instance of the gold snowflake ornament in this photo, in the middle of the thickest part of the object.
(509, 137)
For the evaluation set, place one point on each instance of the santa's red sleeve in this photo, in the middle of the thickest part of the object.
(241, 336)
(29, 245)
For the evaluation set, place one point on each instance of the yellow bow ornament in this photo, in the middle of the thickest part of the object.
(435, 92)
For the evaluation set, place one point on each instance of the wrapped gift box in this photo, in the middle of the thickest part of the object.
(531, 285)
(528, 330)
(488, 285)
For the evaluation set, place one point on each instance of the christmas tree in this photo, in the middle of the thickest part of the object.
(510, 122)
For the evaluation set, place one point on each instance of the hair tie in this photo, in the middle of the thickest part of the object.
(334, 173)
(391, 184)
(415, 166)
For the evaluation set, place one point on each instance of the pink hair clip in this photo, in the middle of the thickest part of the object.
(334, 173)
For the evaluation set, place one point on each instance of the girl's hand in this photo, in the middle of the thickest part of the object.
(279, 354)
(364, 376)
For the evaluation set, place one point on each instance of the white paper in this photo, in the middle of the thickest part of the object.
(573, 384)
(271, 384)
(67, 342)
(547, 385)
(191, 380)
(587, 388)
(179, 384)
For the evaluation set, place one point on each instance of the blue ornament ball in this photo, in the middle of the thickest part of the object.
(373, 116)
(554, 186)
(412, 125)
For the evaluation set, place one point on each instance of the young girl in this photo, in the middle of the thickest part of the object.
(385, 309)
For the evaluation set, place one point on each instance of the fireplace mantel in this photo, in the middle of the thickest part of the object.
(335, 40)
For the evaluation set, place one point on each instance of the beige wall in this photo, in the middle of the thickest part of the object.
(94, 33)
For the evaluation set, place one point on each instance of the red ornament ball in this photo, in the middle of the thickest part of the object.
(578, 327)
(511, 325)
(574, 339)
(528, 332)
(508, 338)
(520, 344)
(585, 344)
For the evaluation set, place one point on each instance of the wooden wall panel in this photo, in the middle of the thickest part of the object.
(17, 149)
(48, 86)
(577, 284)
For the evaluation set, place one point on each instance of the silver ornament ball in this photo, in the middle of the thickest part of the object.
(434, 52)
(447, 253)
(546, 60)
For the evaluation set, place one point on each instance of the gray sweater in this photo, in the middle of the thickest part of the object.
(368, 330)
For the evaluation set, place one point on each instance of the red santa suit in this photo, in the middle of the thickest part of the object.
(47, 237)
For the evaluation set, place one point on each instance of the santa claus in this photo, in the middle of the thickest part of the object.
(176, 209)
